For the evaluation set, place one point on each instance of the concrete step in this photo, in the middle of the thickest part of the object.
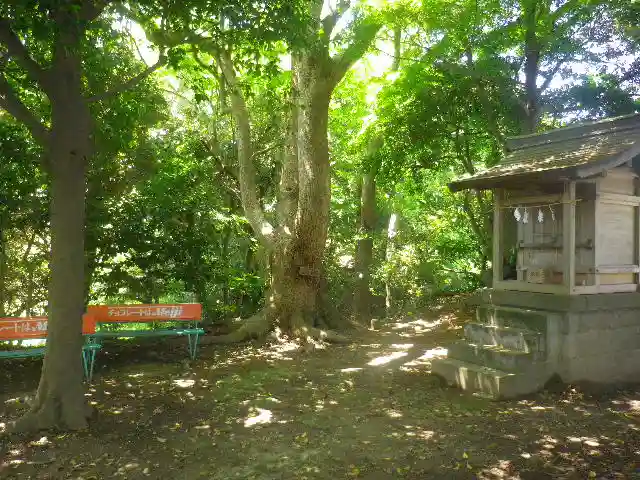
(513, 317)
(489, 382)
(495, 356)
(510, 338)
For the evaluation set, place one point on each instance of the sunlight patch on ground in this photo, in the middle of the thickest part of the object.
(415, 327)
(14, 453)
(384, 359)
(589, 441)
(416, 432)
(424, 360)
(277, 351)
(502, 469)
(350, 370)
(184, 382)
(425, 434)
(258, 416)
(43, 441)
(393, 413)
(401, 346)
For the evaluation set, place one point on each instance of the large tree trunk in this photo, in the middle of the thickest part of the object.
(532, 47)
(302, 261)
(60, 400)
(294, 303)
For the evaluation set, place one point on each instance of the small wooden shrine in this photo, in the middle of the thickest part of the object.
(567, 210)
(566, 264)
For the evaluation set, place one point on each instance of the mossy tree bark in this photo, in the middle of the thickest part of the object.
(295, 302)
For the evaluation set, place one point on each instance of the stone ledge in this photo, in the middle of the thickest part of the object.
(561, 303)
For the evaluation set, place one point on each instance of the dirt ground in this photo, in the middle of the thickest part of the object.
(368, 410)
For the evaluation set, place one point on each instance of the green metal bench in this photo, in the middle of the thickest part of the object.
(189, 314)
(35, 329)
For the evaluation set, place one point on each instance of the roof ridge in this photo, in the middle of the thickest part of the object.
(570, 132)
(596, 133)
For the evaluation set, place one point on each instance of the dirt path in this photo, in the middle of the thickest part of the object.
(368, 410)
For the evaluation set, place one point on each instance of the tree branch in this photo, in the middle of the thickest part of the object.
(364, 34)
(92, 10)
(562, 10)
(329, 22)
(267, 149)
(132, 82)
(246, 170)
(548, 77)
(135, 44)
(19, 53)
(10, 102)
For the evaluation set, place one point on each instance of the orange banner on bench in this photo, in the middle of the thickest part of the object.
(145, 313)
(16, 328)
(19, 328)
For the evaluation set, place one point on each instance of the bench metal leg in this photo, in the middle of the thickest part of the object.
(193, 344)
(92, 363)
(88, 362)
(85, 365)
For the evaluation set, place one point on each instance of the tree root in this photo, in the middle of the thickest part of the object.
(255, 327)
(329, 336)
(53, 410)
(261, 324)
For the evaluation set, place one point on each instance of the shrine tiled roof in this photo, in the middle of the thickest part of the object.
(565, 153)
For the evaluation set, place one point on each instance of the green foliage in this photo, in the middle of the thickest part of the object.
(164, 217)
(597, 96)
(436, 250)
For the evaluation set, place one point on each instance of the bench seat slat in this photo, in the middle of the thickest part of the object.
(39, 351)
(23, 353)
(148, 333)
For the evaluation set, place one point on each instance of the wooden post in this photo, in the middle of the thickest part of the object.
(637, 227)
(498, 237)
(597, 247)
(569, 236)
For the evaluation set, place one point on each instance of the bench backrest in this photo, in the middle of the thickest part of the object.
(21, 328)
(191, 312)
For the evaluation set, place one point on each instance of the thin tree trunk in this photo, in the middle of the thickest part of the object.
(226, 238)
(29, 301)
(392, 231)
(368, 215)
(28, 305)
(364, 251)
(3, 267)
